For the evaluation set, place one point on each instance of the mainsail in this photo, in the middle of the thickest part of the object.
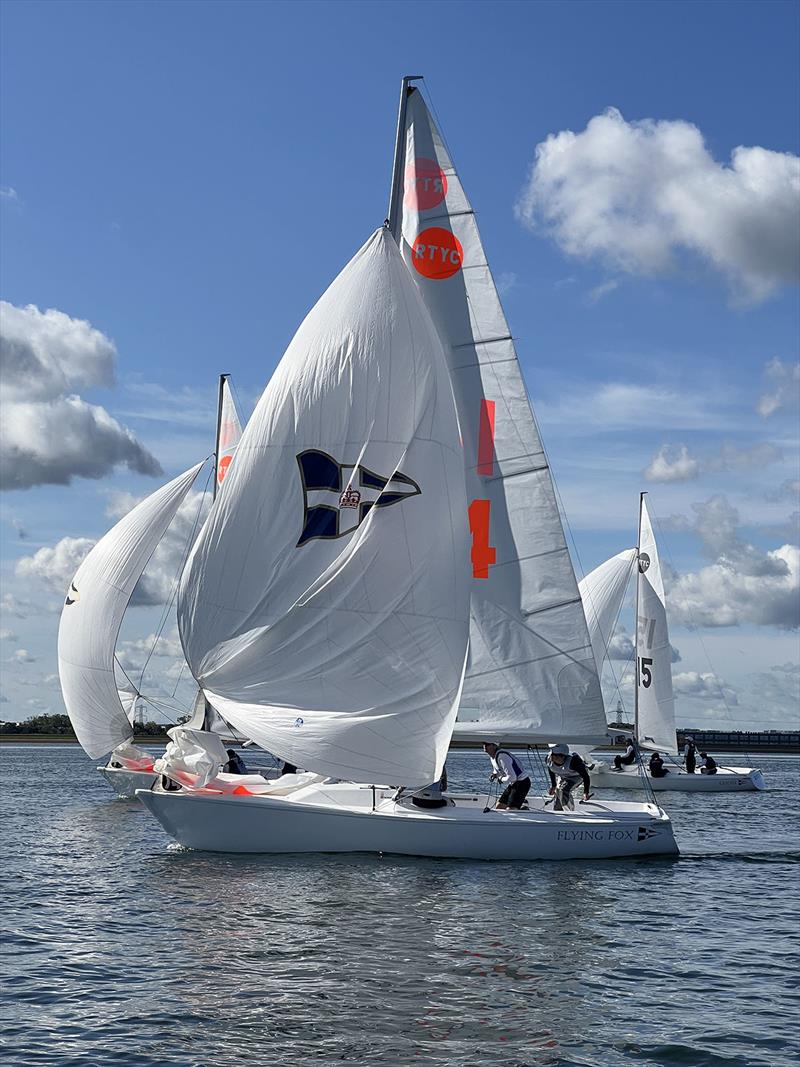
(531, 672)
(602, 592)
(92, 615)
(324, 609)
(655, 706)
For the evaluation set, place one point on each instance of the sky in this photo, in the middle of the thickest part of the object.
(180, 182)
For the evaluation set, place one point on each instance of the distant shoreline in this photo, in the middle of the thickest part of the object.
(55, 739)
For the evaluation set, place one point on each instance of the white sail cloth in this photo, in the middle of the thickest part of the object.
(602, 592)
(655, 718)
(531, 672)
(193, 753)
(230, 432)
(325, 606)
(93, 609)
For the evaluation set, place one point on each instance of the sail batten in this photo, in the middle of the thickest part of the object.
(524, 597)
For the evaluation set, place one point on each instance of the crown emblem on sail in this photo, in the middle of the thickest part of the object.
(332, 506)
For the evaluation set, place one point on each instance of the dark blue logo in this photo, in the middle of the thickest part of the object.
(337, 497)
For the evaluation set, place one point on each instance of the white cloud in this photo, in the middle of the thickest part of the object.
(55, 565)
(706, 686)
(506, 281)
(665, 466)
(8, 192)
(22, 655)
(49, 434)
(743, 585)
(7, 635)
(620, 647)
(783, 388)
(602, 290)
(637, 195)
(11, 605)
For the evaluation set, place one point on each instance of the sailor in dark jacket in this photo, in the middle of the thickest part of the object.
(565, 769)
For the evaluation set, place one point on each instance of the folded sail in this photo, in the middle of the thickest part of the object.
(324, 609)
(531, 672)
(95, 603)
(602, 592)
(655, 721)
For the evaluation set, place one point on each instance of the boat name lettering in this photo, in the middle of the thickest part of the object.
(596, 835)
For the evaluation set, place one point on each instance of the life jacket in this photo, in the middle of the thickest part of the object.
(565, 770)
(516, 765)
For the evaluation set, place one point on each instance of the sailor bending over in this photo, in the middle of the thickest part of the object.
(566, 770)
(509, 771)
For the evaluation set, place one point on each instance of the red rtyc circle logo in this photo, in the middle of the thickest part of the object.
(426, 185)
(437, 253)
(222, 468)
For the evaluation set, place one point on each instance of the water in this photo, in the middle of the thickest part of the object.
(124, 950)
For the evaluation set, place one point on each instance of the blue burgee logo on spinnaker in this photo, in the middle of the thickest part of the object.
(337, 497)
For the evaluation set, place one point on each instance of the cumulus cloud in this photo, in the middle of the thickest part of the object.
(55, 565)
(669, 465)
(22, 655)
(639, 195)
(7, 635)
(783, 388)
(50, 435)
(744, 584)
(703, 686)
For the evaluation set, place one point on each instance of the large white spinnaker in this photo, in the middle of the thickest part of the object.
(93, 609)
(531, 672)
(324, 609)
(655, 706)
(602, 592)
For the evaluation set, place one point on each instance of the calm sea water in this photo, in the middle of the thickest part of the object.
(121, 949)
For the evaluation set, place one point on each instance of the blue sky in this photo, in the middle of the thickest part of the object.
(189, 177)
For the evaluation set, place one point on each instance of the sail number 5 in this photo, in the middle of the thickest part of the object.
(645, 674)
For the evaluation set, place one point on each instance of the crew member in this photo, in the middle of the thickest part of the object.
(709, 764)
(689, 755)
(235, 764)
(566, 769)
(657, 768)
(509, 771)
(628, 758)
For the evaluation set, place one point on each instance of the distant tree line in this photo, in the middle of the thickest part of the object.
(60, 726)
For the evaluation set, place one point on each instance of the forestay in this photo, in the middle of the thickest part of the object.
(602, 592)
(325, 605)
(93, 609)
(531, 672)
(655, 719)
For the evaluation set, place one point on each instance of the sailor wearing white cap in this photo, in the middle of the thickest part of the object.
(566, 770)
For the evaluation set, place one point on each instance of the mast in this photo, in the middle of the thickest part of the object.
(636, 624)
(393, 218)
(220, 397)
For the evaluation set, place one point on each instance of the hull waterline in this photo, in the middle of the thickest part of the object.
(326, 822)
(726, 780)
(125, 782)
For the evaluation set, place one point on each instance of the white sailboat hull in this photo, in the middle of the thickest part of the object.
(726, 780)
(125, 782)
(341, 818)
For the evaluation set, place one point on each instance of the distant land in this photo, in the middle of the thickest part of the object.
(46, 729)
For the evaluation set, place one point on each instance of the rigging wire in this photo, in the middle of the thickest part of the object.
(176, 580)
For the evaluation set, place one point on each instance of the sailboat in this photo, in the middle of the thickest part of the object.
(603, 591)
(100, 707)
(387, 551)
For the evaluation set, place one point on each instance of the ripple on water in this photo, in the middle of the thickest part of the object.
(127, 950)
